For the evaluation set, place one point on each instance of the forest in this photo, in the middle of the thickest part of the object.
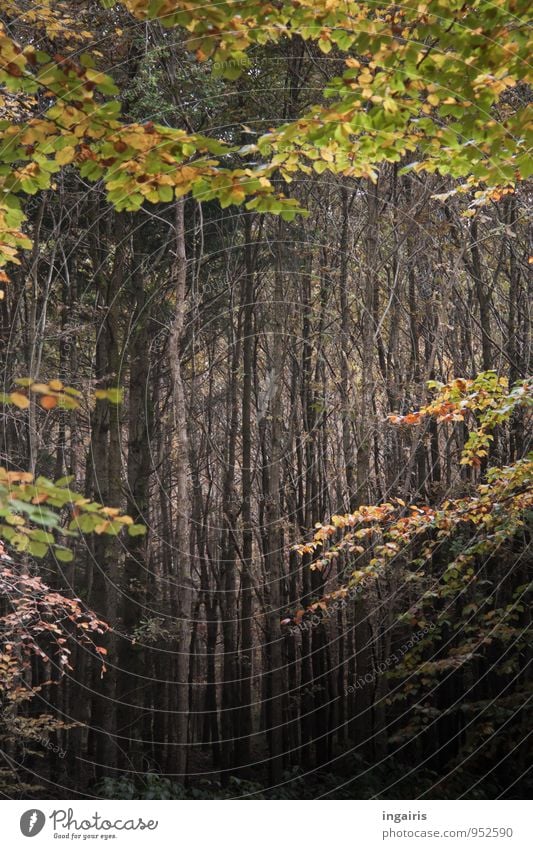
(265, 472)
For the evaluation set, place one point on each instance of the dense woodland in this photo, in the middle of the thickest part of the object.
(317, 422)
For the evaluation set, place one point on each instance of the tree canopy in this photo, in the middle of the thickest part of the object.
(428, 79)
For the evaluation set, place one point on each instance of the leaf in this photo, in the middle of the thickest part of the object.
(20, 400)
(48, 402)
(85, 523)
(63, 554)
(37, 549)
(166, 193)
(114, 395)
(65, 156)
(136, 530)
(42, 536)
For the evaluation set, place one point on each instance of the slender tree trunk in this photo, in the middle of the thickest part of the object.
(137, 577)
(246, 664)
(182, 582)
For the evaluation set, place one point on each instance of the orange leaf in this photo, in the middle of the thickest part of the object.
(39, 499)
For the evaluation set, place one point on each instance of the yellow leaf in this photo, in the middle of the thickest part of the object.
(63, 157)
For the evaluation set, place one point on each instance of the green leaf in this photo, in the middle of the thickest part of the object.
(37, 549)
(42, 536)
(114, 396)
(66, 480)
(64, 554)
(136, 530)
(19, 542)
(166, 193)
